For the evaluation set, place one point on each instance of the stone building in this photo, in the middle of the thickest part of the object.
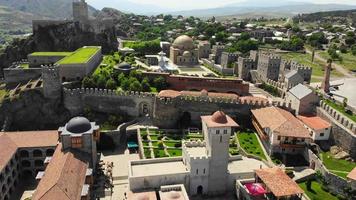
(204, 48)
(268, 66)
(280, 131)
(80, 12)
(244, 66)
(228, 59)
(216, 53)
(183, 52)
(319, 128)
(302, 99)
(291, 79)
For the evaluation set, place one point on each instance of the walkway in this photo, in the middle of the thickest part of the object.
(338, 67)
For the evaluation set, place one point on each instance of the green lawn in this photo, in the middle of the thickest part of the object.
(249, 142)
(80, 56)
(154, 137)
(24, 65)
(343, 167)
(174, 152)
(348, 60)
(145, 144)
(171, 143)
(51, 53)
(316, 192)
(340, 109)
(305, 59)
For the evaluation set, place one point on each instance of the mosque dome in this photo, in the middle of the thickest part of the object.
(78, 125)
(219, 117)
(183, 42)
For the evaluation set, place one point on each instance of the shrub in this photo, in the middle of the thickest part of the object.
(160, 145)
(177, 145)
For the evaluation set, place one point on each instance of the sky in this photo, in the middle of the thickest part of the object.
(191, 4)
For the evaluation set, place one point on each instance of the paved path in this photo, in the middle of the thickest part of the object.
(338, 67)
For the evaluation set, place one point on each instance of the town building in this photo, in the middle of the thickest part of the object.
(204, 48)
(319, 128)
(302, 99)
(280, 131)
(291, 79)
(183, 51)
(269, 183)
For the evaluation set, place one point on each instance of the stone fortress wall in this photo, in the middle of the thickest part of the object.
(302, 70)
(16, 74)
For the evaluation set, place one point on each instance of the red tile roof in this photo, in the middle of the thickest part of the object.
(219, 119)
(314, 122)
(63, 179)
(7, 149)
(277, 181)
(281, 122)
(352, 174)
(11, 141)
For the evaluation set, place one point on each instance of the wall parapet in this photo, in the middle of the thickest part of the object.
(339, 117)
(107, 92)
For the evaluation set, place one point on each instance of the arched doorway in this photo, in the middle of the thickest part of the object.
(185, 120)
(144, 109)
(200, 190)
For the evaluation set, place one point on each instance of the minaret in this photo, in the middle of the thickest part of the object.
(326, 82)
(217, 130)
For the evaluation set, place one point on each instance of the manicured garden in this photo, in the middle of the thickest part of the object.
(316, 192)
(81, 55)
(249, 143)
(339, 167)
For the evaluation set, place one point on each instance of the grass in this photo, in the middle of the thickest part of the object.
(337, 166)
(305, 59)
(316, 192)
(154, 137)
(80, 56)
(24, 65)
(341, 109)
(249, 142)
(348, 60)
(174, 152)
(145, 144)
(195, 136)
(51, 53)
(171, 143)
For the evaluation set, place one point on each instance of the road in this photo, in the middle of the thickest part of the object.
(338, 67)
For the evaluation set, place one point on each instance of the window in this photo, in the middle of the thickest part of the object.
(76, 142)
(279, 138)
(220, 139)
(321, 134)
(225, 131)
(218, 132)
(204, 171)
(37, 153)
(197, 171)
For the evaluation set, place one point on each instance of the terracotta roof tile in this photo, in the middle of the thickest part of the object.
(278, 182)
(314, 122)
(63, 179)
(7, 149)
(352, 174)
(34, 138)
(219, 119)
(281, 122)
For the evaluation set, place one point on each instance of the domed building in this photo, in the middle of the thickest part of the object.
(183, 51)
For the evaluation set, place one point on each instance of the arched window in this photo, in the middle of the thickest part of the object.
(3, 189)
(49, 152)
(38, 163)
(37, 153)
(24, 154)
(26, 163)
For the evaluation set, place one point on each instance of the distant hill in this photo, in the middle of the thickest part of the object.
(343, 16)
(285, 10)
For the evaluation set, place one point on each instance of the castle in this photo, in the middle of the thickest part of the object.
(80, 19)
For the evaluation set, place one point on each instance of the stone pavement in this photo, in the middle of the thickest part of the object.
(120, 158)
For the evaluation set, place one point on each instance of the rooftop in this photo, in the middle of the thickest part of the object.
(158, 168)
(64, 177)
(300, 91)
(80, 56)
(281, 122)
(278, 182)
(219, 119)
(196, 151)
(150, 195)
(314, 122)
(51, 54)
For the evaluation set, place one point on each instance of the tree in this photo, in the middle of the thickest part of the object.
(146, 87)
(120, 78)
(101, 82)
(125, 84)
(245, 36)
(317, 39)
(88, 82)
(110, 84)
(136, 74)
(135, 86)
(353, 50)
(160, 83)
(309, 184)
